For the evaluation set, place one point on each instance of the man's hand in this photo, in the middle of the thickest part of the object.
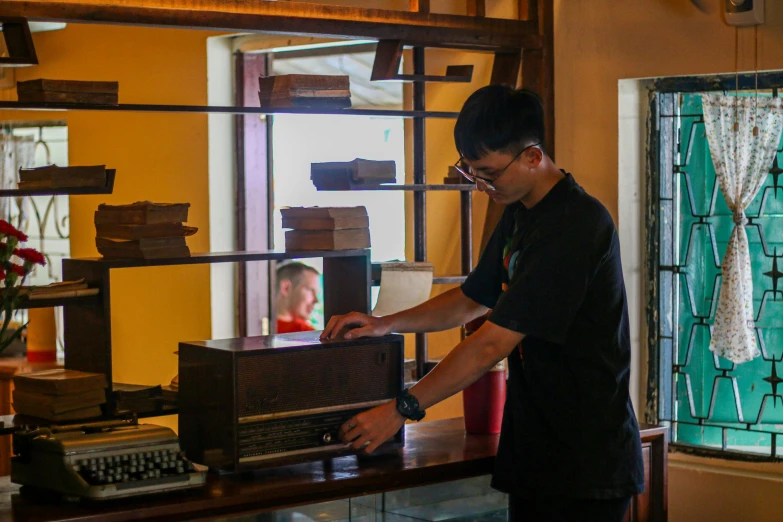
(363, 326)
(373, 427)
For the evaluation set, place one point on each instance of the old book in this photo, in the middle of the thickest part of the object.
(82, 413)
(53, 172)
(350, 239)
(338, 223)
(346, 175)
(294, 82)
(56, 404)
(359, 169)
(118, 231)
(122, 391)
(145, 248)
(68, 86)
(324, 218)
(315, 103)
(142, 213)
(54, 287)
(60, 382)
(67, 97)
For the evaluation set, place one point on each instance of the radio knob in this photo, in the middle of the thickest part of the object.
(326, 438)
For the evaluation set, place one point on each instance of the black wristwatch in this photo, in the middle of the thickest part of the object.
(408, 406)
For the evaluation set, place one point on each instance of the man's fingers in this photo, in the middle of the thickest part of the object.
(350, 430)
(361, 441)
(329, 327)
(364, 331)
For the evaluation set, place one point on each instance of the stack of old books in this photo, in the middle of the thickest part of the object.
(59, 395)
(54, 177)
(326, 228)
(143, 230)
(68, 91)
(349, 174)
(304, 90)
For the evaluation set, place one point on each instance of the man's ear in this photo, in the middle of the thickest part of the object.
(534, 157)
(285, 287)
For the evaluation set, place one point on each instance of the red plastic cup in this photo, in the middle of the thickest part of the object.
(483, 402)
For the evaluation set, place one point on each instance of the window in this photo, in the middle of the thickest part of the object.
(301, 139)
(710, 402)
(45, 219)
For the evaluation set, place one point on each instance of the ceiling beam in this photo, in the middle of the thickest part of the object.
(413, 28)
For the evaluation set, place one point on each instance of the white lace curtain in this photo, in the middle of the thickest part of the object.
(743, 134)
(17, 152)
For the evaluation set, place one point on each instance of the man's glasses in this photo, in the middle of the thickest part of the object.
(470, 175)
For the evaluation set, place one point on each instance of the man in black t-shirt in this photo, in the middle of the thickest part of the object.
(551, 274)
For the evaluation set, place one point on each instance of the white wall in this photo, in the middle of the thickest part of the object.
(222, 187)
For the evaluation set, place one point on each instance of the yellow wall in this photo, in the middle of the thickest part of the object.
(598, 43)
(160, 157)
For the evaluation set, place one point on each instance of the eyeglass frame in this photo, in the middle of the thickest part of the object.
(488, 182)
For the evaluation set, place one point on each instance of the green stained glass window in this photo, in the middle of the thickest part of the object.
(711, 402)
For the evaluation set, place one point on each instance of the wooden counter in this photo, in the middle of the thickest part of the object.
(437, 451)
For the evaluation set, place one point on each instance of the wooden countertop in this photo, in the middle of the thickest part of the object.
(437, 451)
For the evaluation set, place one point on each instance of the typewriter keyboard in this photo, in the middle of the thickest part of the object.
(167, 464)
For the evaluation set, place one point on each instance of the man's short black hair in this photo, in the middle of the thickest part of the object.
(293, 272)
(498, 118)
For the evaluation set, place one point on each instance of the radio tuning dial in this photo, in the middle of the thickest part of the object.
(327, 438)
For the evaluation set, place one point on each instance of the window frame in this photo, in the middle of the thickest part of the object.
(661, 150)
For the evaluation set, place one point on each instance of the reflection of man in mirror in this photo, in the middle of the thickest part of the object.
(297, 294)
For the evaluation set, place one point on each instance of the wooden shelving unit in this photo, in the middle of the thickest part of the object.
(524, 45)
(88, 339)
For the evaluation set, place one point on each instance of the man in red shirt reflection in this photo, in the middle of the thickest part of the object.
(297, 294)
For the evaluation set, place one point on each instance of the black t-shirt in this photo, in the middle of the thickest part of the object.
(553, 273)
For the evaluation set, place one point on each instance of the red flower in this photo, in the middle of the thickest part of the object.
(18, 270)
(7, 229)
(2, 275)
(30, 255)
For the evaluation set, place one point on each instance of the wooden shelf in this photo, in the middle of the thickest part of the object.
(409, 188)
(217, 257)
(72, 191)
(215, 109)
(58, 301)
(427, 29)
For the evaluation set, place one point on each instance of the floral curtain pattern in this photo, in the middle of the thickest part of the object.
(743, 134)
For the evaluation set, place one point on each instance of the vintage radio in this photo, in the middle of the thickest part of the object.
(266, 401)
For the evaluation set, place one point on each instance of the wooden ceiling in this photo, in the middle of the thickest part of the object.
(419, 28)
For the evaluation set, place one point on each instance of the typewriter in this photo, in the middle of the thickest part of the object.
(103, 460)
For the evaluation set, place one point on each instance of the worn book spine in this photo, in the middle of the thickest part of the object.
(323, 212)
(329, 223)
(293, 103)
(43, 84)
(55, 404)
(327, 239)
(287, 82)
(68, 97)
(52, 172)
(153, 253)
(59, 386)
(116, 231)
(141, 216)
(61, 183)
(82, 413)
